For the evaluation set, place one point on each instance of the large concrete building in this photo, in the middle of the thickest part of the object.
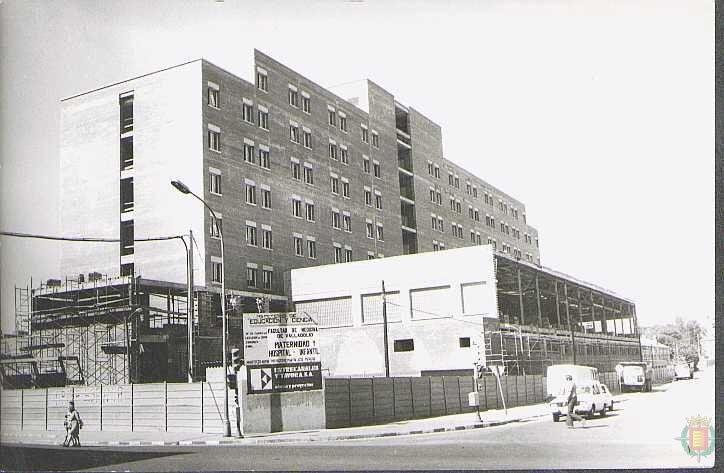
(299, 176)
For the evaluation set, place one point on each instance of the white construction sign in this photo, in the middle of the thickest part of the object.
(281, 353)
(273, 339)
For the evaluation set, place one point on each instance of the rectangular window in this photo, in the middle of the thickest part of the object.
(475, 192)
(247, 111)
(370, 255)
(312, 249)
(370, 230)
(263, 118)
(333, 150)
(264, 158)
(293, 96)
(127, 237)
(251, 235)
(266, 199)
(215, 226)
(404, 345)
(347, 222)
(477, 215)
(337, 254)
(309, 211)
(248, 149)
(127, 153)
(306, 103)
(214, 137)
(335, 184)
(440, 224)
(307, 138)
(298, 245)
(377, 169)
(296, 170)
(266, 238)
(464, 342)
(345, 188)
(366, 164)
(127, 199)
(297, 207)
(347, 255)
(477, 237)
(217, 272)
(472, 236)
(332, 117)
(450, 179)
(368, 197)
(378, 201)
(336, 219)
(294, 132)
(375, 139)
(365, 134)
(250, 193)
(126, 117)
(212, 95)
(342, 122)
(308, 174)
(267, 278)
(429, 168)
(262, 81)
(343, 155)
(437, 171)
(215, 183)
(380, 233)
(251, 276)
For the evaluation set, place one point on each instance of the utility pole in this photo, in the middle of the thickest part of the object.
(384, 323)
(190, 305)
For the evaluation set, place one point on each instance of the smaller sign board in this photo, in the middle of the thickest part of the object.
(283, 378)
(280, 338)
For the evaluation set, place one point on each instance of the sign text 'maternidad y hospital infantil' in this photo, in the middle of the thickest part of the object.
(281, 353)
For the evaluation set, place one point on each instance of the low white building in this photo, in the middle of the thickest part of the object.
(435, 307)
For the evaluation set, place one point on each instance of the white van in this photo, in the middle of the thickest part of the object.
(591, 398)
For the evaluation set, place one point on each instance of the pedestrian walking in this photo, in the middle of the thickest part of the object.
(73, 424)
(569, 390)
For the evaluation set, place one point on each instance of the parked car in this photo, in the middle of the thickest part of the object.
(607, 397)
(682, 370)
(635, 375)
(591, 400)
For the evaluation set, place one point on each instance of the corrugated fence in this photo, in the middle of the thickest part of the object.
(364, 401)
(196, 407)
(199, 407)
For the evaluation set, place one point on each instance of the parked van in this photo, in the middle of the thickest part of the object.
(556, 376)
(591, 397)
(635, 375)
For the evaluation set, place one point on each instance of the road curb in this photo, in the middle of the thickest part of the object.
(40, 439)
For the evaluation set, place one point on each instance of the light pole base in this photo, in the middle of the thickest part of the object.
(227, 428)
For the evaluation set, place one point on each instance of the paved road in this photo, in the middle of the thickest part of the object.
(640, 432)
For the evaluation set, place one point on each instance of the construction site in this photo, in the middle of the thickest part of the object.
(546, 317)
(98, 330)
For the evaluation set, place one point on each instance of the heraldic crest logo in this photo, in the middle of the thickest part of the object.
(697, 437)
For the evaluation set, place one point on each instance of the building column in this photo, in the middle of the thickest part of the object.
(520, 300)
(558, 307)
(537, 299)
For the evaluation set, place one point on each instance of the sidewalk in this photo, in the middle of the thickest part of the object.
(449, 423)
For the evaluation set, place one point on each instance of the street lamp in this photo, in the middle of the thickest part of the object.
(181, 187)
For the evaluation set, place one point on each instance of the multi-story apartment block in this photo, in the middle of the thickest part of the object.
(297, 175)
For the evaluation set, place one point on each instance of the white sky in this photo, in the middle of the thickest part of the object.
(597, 115)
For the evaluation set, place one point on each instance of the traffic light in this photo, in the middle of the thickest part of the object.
(231, 381)
(236, 360)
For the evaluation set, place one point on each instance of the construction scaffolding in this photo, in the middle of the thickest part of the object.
(546, 317)
(98, 330)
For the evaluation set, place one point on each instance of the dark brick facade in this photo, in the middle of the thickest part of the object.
(426, 145)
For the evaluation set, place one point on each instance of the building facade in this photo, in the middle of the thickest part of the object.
(297, 175)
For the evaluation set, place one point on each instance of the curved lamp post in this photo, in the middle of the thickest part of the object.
(181, 187)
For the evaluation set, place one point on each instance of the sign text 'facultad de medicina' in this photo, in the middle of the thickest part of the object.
(272, 339)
